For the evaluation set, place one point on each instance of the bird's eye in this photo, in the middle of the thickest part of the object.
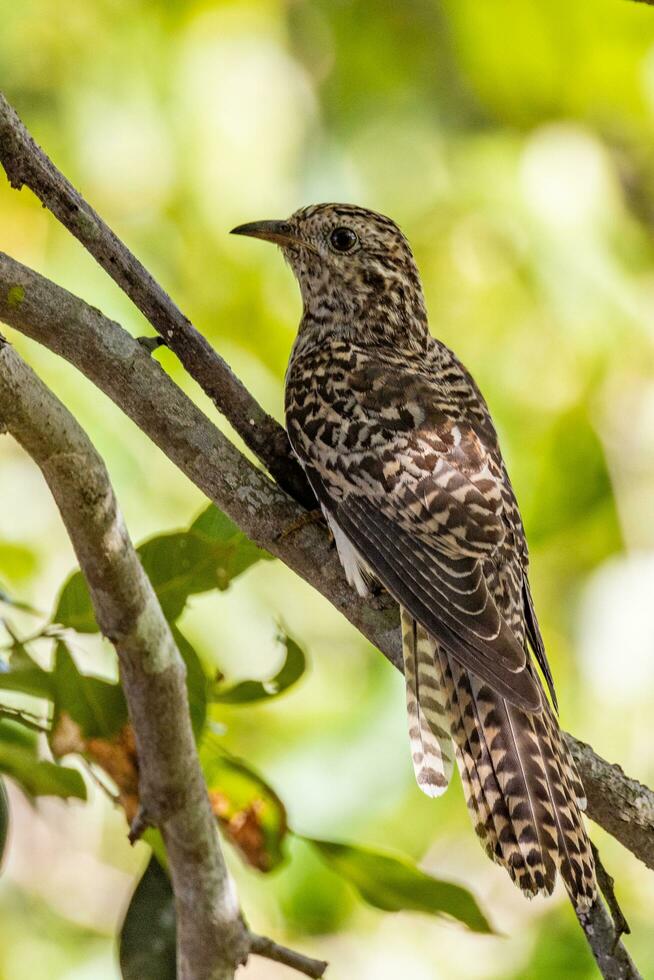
(343, 239)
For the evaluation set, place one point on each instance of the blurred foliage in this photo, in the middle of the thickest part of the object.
(147, 936)
(208, 556)
(248, 691)
(88, 717)
(393, 884)
(4, 819)
(513, 142)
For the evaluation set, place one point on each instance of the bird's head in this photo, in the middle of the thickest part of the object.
(355, 269)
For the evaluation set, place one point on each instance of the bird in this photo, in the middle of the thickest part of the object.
(400, 450)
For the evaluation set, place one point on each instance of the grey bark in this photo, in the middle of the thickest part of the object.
(119, 366)
(124, 370)
(212, 939)
(243, 492)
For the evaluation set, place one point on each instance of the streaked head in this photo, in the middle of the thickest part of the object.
(354, 267)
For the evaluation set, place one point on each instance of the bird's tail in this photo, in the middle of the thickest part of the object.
(520, 782)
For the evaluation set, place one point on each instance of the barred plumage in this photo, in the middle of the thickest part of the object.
(400, 449)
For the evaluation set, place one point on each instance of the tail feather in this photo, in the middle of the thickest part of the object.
(521, 785)
(472, 756)
(431, 745)
(517, 762)
(509, 777)
(577, 866)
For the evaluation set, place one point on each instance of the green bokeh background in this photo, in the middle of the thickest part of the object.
(514, 143)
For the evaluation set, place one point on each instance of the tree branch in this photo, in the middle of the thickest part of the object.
(621, 805)
(212, 940)
(262, 946)
(119, 366)
(26, 163)
(143, 391)
(612, 958)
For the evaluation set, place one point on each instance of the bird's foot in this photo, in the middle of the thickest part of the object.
(314, 516)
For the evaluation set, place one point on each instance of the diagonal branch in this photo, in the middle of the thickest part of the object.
(243, 492)
(118, 365)
(212, 940)
(26, 163)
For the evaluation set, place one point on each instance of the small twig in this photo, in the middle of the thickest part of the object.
(140, 824)
(607, 887)
(99, 782)
(25, 718)
(265, 947)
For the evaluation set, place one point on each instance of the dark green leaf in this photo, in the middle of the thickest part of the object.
(395, 884)
(147, 935)
(251, 814)
(197, 682)
(19, 759)
(238, 552)
(96, 705)
(4, 819)
(208, 556)
(247, 691)
(74, 608)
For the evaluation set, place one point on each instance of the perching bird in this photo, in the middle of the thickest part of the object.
(399, 447)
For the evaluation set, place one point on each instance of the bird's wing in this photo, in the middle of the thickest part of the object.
(447, 596)
(419, 497)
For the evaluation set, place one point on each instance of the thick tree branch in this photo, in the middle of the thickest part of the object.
(212, 939)
(621, 805)
(223, 474)
(119, 365)
(26, 164)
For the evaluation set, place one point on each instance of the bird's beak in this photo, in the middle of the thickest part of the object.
(279, 232)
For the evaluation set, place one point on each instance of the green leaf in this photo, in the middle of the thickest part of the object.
(18, 561)
(395, 884)
(96, 705)
(251, 815)
(19, 759)
(74, 607)
(197, 682)
(4, 819)
(148, 934)
(247, 691)
(24, 674)
(183, 563)
(238, 552)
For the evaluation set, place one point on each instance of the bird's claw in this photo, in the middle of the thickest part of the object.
(309, 517)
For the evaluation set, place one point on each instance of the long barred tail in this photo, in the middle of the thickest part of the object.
(522, 789)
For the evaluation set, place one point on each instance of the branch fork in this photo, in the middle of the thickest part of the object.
(107, 355)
